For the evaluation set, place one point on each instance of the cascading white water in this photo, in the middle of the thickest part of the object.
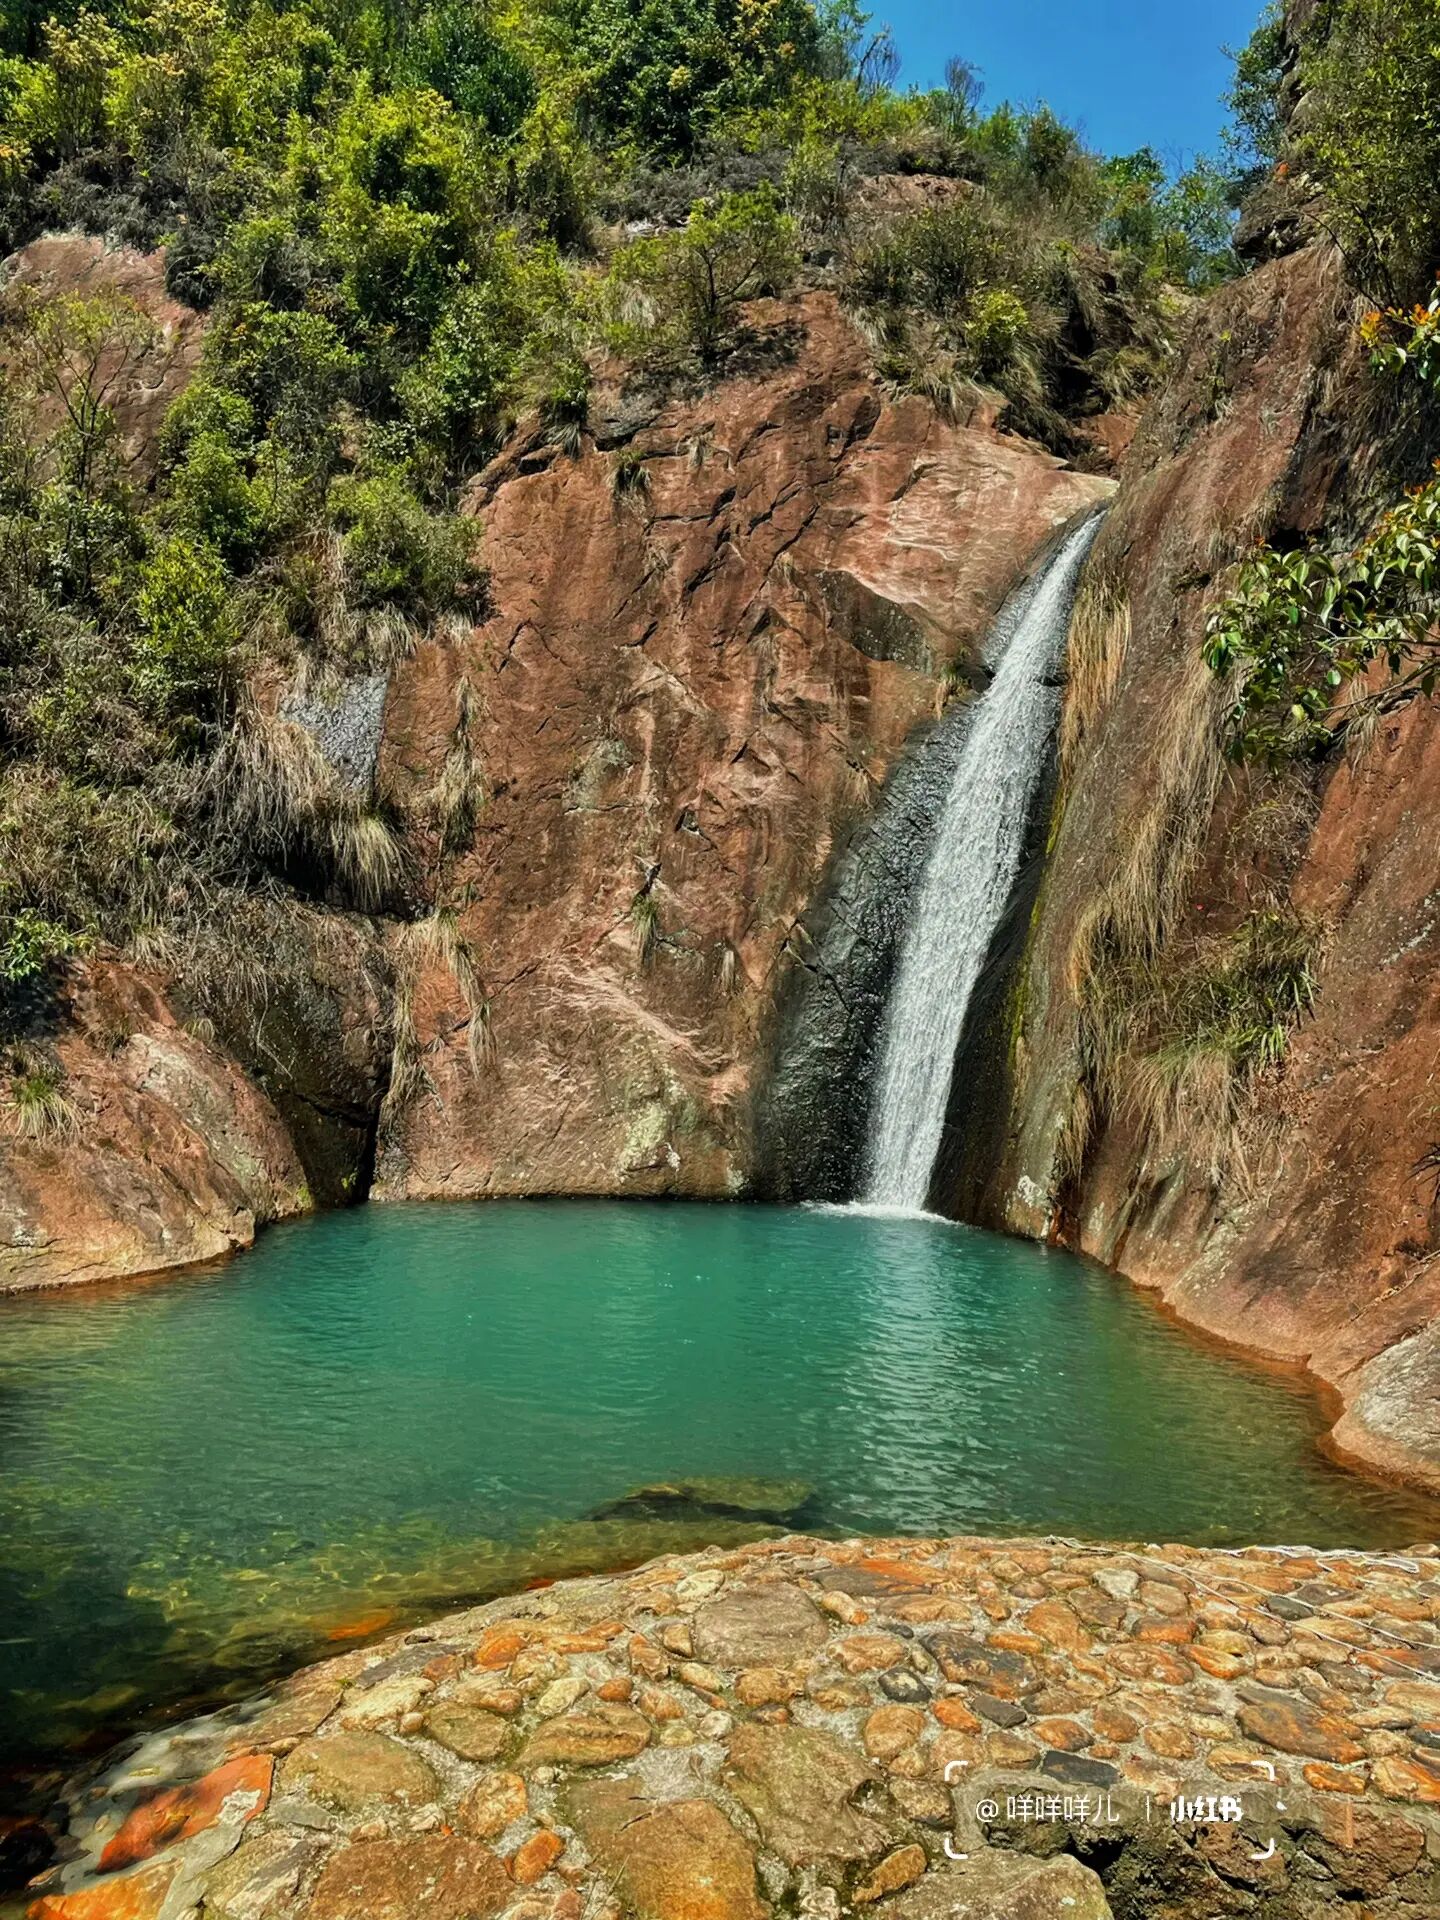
(966, 883)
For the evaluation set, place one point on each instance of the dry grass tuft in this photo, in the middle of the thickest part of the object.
(458, 795)
(38, 1109)
(305, 604)
(274, 790)
(1116, 952)
(434, 941)
(629, 477)
(1099, 640)
(645, 918)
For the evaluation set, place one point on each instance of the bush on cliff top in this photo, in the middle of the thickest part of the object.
(682, 291)
(1370, 135)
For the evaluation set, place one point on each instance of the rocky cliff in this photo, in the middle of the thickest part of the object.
(705, 655)
(710, 630)
(633, 797)
(1295, 1210)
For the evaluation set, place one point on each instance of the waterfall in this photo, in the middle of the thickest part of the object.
(966, 883)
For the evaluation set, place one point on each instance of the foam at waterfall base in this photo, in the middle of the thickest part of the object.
(877, 1210)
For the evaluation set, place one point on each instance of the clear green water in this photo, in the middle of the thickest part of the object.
(201, 1478)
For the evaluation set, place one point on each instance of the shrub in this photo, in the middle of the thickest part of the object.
(682, 291)
(58, 104)
(516, 308)
(1405, 342)
(996, 327)
(1371, 135)
(185, 634)
(39, 1108)
(76, 352)
(949, 254)
(1178, 230)
(291, 369)
(557, 377)
(629, 476)
(663, 73)
(268, 258)
(1297, 628)
(31, 944)
(397, 552)
(555, 176)
(818, 187)
(208, 488)
(455, 50)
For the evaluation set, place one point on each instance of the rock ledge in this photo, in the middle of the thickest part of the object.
(918, 1729)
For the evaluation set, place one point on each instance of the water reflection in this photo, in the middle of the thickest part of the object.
(377, 1412)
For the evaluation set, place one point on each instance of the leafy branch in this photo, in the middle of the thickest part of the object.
(1300, 626)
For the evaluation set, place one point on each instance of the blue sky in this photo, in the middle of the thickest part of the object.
(1130, 73)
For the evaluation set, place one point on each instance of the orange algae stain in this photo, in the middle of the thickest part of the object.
(363, 1625)
(498, 1647)
(138, 1897)
(902, 1572)
(180, 1811)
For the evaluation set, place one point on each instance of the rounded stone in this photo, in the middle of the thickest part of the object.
(495, 1802)
(351, 1770)
(888, 1731)
(769, 1626)
(469, 1731)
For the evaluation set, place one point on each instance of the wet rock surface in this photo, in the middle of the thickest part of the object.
(1312, 1236)
(1101, 1732)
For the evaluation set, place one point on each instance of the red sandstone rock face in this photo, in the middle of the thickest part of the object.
(686, 693)
(1326, 1251)
(143, 390)
(175, 1155)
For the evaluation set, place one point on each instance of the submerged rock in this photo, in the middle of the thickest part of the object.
(777, 1501)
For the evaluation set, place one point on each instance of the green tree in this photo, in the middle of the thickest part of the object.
(1195, 229)
(662, 72)
(1371, 136)
(455, 50)
(1181, 228)
(76, 354)
(1253, 139)
(1134, 184)
(683, 290)
(59, 103)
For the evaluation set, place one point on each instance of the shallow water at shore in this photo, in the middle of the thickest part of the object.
(374, 1413)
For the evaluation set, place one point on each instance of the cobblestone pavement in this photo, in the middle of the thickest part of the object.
(909, 1729)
